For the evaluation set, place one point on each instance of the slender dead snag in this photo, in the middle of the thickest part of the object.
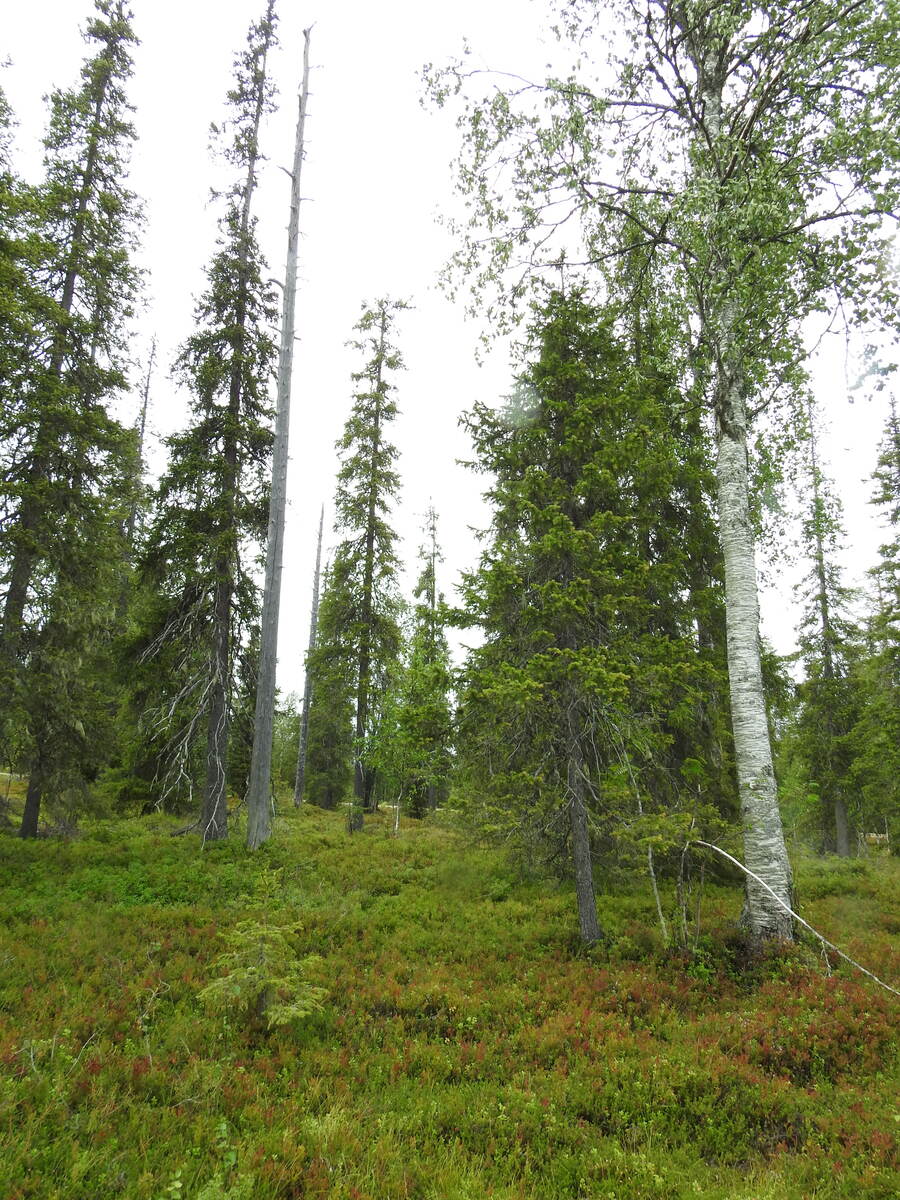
(131, 523)
(259, 825)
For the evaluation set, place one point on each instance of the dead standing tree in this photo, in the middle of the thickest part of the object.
(259, 825)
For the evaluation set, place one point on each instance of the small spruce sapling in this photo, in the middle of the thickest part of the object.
(261, 979)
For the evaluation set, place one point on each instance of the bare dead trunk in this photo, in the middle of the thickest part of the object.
(259, 825)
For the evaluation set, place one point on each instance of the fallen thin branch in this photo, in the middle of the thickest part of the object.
(806, 925)
(187, 829)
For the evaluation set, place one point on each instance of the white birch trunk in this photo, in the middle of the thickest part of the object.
(764, 850)
(259, 823)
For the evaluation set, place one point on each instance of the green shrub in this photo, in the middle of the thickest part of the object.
(262, 978)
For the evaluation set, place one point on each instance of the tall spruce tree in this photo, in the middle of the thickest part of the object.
(887, 498)
(82, 267)
(827, 706)
(20, 303)
(330, 673)
(579, 711)
(303, 733)
(212, 502)
(68, 466)
(424, 720)
(359, 629)
(875, 736)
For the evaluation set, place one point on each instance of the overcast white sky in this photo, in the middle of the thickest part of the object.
(377, 174)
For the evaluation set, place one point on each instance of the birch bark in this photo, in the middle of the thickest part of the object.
(764, 849)
(765, 852)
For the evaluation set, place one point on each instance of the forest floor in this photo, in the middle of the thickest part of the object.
(467, 1048)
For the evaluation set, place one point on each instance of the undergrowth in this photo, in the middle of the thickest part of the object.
(465, 1047)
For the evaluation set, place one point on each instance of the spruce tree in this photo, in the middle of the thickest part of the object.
(592, 670)
(212, 502)
(303, 732)
(826, 694)
(68, 465)
(887, 498)
(875, 736)
(20, 303)
(331, 674)
(87, 230)
(424, 718)
(359, 618)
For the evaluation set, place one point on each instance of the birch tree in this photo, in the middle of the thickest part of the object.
(259, 792)
(743, 156)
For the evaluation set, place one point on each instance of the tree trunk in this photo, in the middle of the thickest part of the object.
(581, 841)
(215, 796)
(307, 684)
(841, 828)
(259, 827)
(33, 796)
(764, 850)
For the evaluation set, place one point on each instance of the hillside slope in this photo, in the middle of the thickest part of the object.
(466, 1047)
